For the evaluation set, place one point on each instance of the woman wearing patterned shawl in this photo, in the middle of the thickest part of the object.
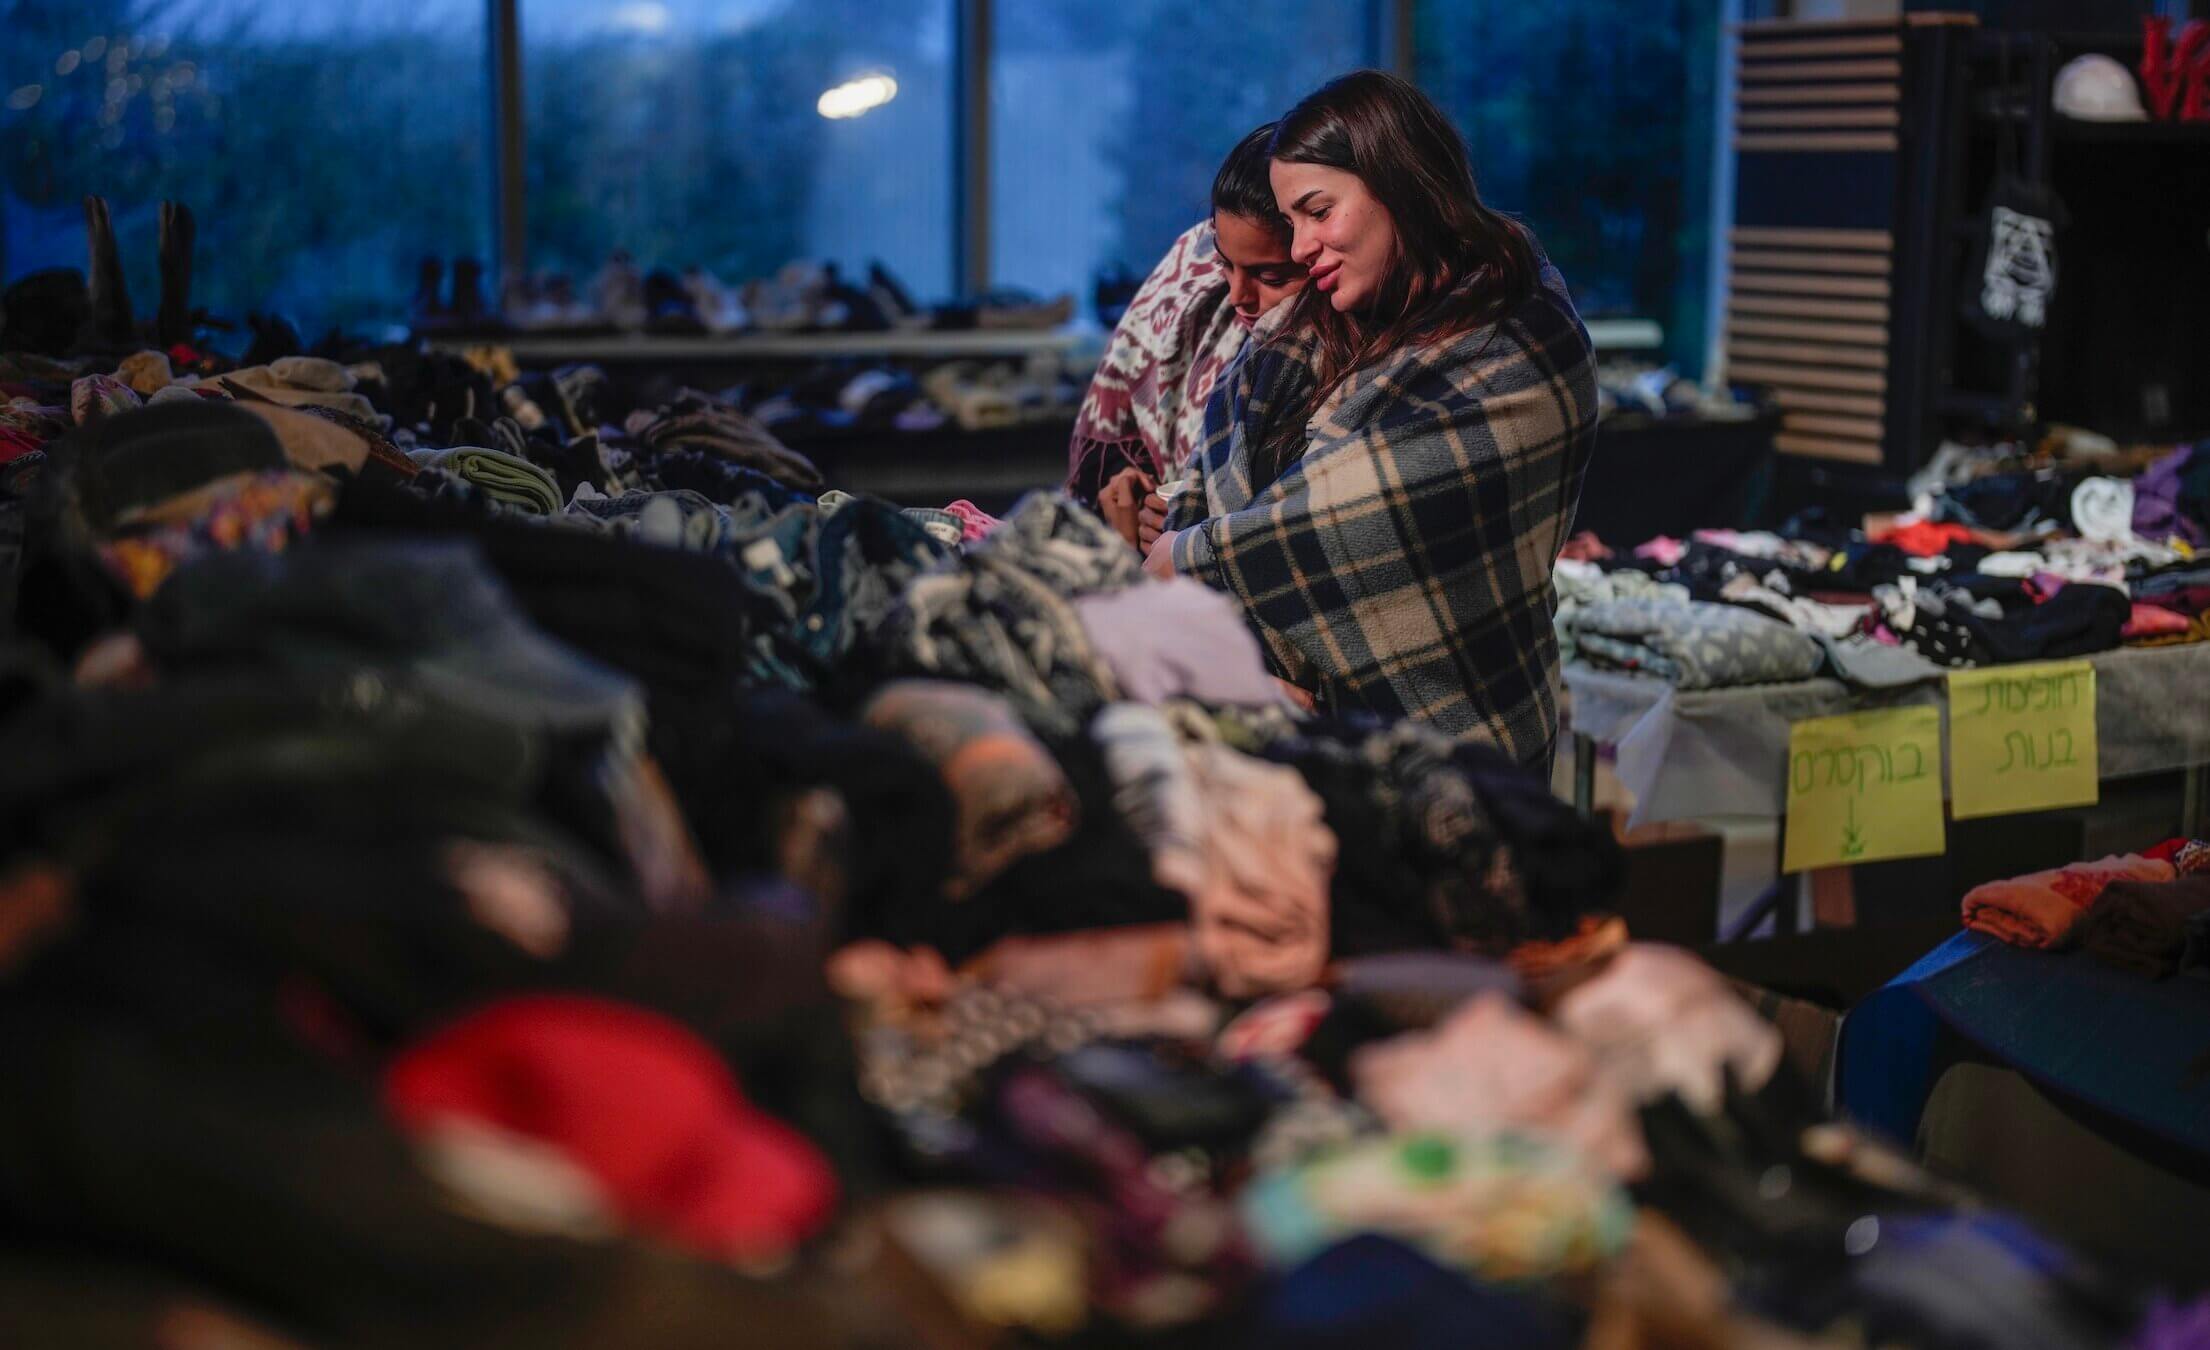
(1385, 485)
(1143, 416)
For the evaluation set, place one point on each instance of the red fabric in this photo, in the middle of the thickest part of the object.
(1924, 539)
(2166, 851)
(16, 443)
(637, 1101)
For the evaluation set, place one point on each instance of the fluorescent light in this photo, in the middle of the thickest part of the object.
(854, 97)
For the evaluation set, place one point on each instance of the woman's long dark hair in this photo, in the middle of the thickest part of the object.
(1243, 188)
(1459, 266)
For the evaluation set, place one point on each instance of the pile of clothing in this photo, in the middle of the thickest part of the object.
(437, 908)
(2147, 912)
(2013, 564)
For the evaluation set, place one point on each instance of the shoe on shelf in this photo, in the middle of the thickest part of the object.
(428, 309)
(109, 325)
(619, 292)
(717, 306)
(881, 399)
(668, 305)
(959, 388)
(895, 301)
(789, 301)
(520, 301)
(1022, 310)
(848, 309)
(468, 307)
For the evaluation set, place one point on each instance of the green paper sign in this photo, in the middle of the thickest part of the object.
(1863, 787)
(2022, 738)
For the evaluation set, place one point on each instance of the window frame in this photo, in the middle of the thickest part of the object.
(1390, 25)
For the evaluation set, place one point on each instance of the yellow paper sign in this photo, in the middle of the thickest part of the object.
(2022, 738)
(1864, 787)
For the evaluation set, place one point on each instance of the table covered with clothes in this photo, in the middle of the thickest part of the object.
(1692, 657)
(573, 879)
(1688, 753)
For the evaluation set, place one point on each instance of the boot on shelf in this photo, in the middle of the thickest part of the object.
(173, 323)
(109, 325)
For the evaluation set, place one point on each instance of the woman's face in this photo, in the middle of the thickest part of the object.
(1260, 272)
(1342, 234)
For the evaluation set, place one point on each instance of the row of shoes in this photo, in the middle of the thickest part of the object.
(802, 297)
(840, 397)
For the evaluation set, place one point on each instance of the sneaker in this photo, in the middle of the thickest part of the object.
(717, 306)
(468, 307)
(619, 292)
(1018, 309)
(668, 305)
(960, 389)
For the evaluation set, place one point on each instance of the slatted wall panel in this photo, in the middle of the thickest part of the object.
(1818, 114)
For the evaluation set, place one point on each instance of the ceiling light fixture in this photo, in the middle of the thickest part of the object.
(854, 97)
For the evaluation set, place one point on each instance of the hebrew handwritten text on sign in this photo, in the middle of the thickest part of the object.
(1864, 787)
(2022, 738)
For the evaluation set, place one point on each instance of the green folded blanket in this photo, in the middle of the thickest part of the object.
(503, 477)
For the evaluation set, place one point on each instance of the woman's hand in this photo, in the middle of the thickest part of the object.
(1159, 562)
(1118, 502)
(1150, 520)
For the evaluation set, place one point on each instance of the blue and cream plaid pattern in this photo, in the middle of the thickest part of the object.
(1402, 565)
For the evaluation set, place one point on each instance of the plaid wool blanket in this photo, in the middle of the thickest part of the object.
(1402, 565)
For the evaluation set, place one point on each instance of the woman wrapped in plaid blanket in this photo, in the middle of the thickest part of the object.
(1385, 485)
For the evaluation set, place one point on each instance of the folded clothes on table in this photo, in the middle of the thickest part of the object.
(2039, 910)
(1693, 645)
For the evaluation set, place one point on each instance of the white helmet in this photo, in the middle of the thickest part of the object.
(2095, 88)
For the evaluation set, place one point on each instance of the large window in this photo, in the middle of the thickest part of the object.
(1592, 121)
(328, 147)
(324, 148)
(1108, 120)
(694, 134)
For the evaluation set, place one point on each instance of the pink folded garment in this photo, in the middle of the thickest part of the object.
(1660, 1021)
(2040, 909)
(1261, 910)
(973, 520)
(1664, 549)
(1491, 1066)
